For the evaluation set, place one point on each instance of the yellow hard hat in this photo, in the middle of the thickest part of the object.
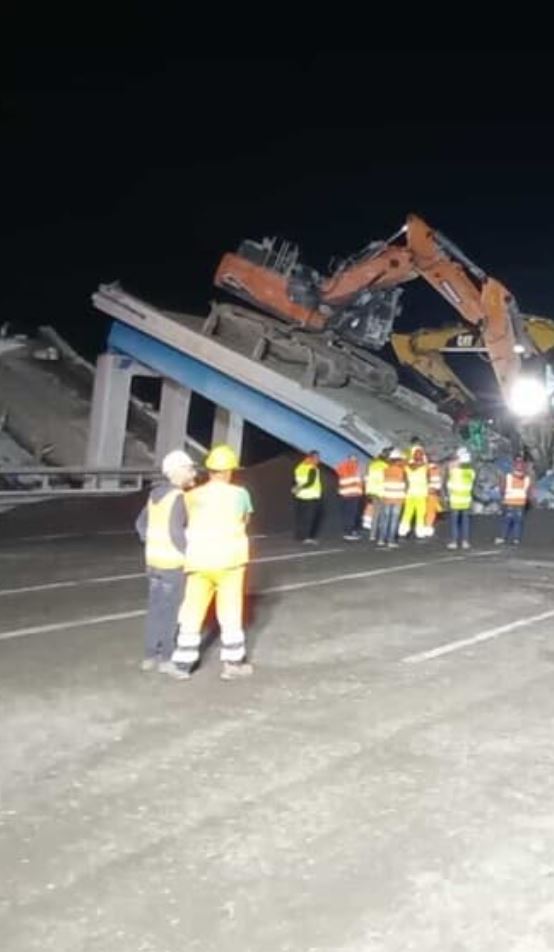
(221, 458)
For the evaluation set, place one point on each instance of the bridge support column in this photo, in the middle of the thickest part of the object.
(173, 418)
(228, 428)
(108, 415)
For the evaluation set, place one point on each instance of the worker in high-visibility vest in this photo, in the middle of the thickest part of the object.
(461, 478)
(417, 489)
(350, 489)
(161, 527)
(394, 494)
(374, 489)
(215, 561)
(516, 490)
(307, 492)
(434, 504)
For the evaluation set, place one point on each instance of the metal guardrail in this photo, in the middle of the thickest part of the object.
(22, 483)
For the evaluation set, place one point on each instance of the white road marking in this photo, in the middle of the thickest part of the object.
(106, 579)
(296, 555)
(294, 586)
(55, 536)
(313, 583)
(70, 583)
(487, 635)
(77, 623)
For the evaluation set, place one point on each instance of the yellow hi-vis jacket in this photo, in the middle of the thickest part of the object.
(301, 474)
(160, 551)
(375, 478)
(460, 486)
(417, 478)
(216, 527)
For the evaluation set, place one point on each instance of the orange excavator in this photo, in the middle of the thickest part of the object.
(360, 300)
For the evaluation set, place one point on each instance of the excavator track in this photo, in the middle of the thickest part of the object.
(328, 360)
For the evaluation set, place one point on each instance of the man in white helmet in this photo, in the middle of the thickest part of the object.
(459, 486)
(161, 527)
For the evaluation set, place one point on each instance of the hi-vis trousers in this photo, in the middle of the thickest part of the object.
(415, 506)
(227, 585)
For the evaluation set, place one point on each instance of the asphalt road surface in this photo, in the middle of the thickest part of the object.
(384, 782)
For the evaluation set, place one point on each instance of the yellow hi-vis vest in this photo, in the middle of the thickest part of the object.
(516, 490)
(301, 474)
(375, 478)
(160, 552)
(460, 487)
(418, 481)
(216, 528)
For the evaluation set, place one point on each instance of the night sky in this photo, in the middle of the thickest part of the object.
(127, 159)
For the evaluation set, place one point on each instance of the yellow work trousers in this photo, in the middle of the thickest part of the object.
(414, 507)
(227, 585)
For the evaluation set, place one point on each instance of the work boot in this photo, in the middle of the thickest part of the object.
(452, 545)
(149, 664)
(179, 672)
(466, 545)
(499, 541)
(516, 541)
(309, 541)
(232, 671)
(393, 545)
(381, 544)
(351, 537)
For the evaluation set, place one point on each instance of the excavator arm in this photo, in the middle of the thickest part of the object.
(481, 300)
(359, 302)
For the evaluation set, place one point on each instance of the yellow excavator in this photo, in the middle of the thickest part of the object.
(423, 352)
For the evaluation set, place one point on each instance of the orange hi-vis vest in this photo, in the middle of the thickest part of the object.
(435, 477)
(516, 490)
(394, 490)
(350, 478)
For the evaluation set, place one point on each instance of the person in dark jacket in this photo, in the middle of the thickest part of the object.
(161, 527)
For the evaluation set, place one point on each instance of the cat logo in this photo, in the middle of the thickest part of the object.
(464, 341)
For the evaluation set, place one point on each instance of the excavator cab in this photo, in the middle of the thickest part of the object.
(369, 320)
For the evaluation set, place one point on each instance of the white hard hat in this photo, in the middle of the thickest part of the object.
(175, 460)
(463, 455)
(396, 454)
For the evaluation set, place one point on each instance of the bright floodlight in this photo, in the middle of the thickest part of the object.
(529, 397)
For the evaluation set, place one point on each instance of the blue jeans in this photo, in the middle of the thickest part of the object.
(512, 523)
(166, 588)
(389, 519)
(459, 525)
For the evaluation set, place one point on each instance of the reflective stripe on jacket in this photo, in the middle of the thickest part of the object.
(375, 479)
(435, 477)
(460, 486)
(394, 488)
(350, 481)
(516, 490)
(160, 550)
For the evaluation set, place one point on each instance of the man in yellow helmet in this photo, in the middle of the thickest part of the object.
(161, 527)
(215, 562)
